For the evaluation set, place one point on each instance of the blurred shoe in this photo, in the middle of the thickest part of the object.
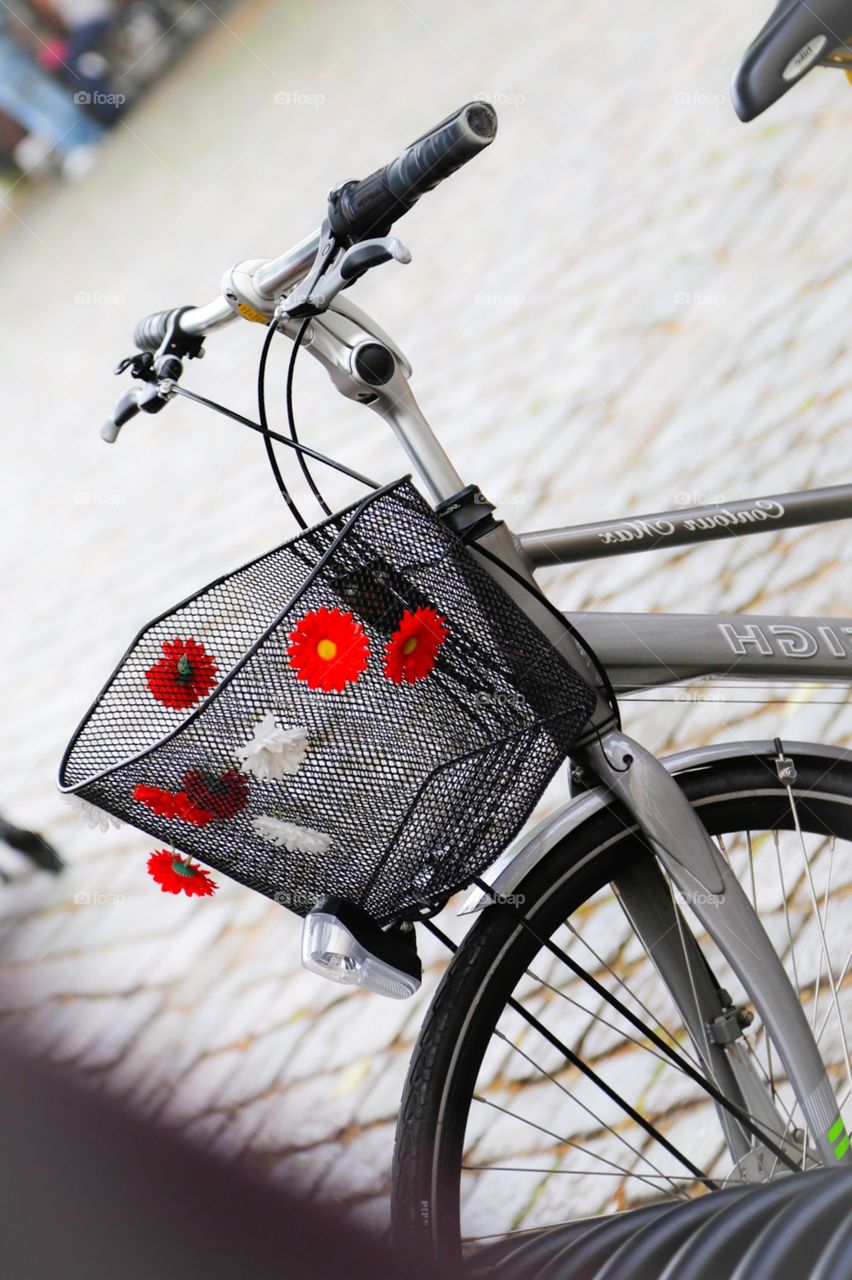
(33, 155)
(79, 163)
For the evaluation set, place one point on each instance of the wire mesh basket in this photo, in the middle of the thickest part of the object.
(362, 712)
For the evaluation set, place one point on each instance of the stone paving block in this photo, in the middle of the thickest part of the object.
(201, 1086)
(362, 1164)
(306, 1171)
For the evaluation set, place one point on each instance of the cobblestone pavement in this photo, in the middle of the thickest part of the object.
(631, 302)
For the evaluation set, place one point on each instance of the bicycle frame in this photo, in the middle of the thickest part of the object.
(639, 651)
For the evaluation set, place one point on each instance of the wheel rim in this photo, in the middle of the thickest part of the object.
(596, 1147)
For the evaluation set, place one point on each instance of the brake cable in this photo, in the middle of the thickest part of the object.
(264, 424)
(291, 417)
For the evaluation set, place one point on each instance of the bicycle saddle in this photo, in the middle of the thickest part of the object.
(799, 35)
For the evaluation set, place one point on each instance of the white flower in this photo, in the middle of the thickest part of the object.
(273, 752)
(97, 819)
(290, 836)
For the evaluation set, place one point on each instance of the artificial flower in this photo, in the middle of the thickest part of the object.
(157, 799)
(172, 804)
(222, 794)
(290, 836)
(412, 649)
(272, 752)
(175, 874)
(328, 650)
(188, 810)
(97, 819)
(184, 674)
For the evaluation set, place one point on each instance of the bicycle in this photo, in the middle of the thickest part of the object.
(697, 852)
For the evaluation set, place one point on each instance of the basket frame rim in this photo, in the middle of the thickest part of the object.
(355, 508)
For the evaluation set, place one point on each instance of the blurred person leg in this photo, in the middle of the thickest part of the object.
(87, 23)
(88, 69)
(47, 111)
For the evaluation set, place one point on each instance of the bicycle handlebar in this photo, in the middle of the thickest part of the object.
(357, 210)
(151, 331)
(371, 206)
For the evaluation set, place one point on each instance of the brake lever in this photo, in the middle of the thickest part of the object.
(330, 275)
(159, 371)
(148, 399)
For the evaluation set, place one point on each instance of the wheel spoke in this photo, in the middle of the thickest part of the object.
(823, 939)
(617, 1170)
(598, 1017)
(550, 1076)
(826, 901)
(683, 1048)
(577, 1102)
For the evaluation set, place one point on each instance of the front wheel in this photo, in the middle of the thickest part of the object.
(531, 1100)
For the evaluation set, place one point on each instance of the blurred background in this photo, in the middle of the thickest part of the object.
(630, 302)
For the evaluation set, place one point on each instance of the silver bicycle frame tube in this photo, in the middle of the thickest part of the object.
(643, 650)
(686, 526)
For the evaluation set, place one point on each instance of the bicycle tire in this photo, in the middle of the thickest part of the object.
(743, 793)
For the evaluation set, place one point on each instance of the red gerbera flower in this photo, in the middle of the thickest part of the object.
(157, 799)
(188, 811)
(411, 651)
(175, 874)
(222, 794)
(328, 649)
(184, 674)
(172, 804)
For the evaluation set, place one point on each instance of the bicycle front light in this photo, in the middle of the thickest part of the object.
(340, 942)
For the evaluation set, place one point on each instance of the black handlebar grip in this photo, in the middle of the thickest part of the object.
(149, 333)
(371, 206)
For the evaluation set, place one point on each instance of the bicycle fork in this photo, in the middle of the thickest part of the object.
(696, 866)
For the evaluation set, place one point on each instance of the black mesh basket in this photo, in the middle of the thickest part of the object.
(391, 791)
